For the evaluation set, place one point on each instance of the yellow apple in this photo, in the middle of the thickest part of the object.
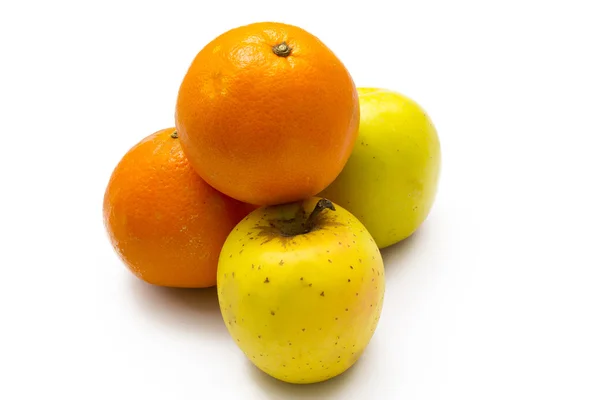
(301, 288)
(390, 181)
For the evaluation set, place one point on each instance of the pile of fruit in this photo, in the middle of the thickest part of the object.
(279, 183)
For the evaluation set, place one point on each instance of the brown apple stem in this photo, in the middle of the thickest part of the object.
(321, 205)
(282, 49)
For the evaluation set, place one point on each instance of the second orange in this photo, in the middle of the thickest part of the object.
(267, 114)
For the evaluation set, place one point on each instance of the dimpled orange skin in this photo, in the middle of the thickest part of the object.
(163, 220)
(266, 128)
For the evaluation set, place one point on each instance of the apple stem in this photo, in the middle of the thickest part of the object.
(282, 49)
(321, 205)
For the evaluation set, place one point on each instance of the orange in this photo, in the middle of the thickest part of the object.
(267, 114)
(163, 220)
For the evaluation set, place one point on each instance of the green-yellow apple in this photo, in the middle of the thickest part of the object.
(301, 288)
(390, 181)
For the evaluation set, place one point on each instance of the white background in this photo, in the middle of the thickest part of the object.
(496, 297)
